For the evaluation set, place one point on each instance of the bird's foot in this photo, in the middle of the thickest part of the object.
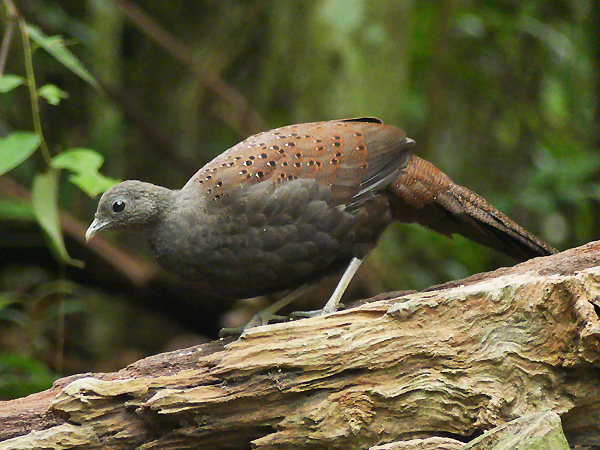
(264, 317)
(268, 314)
(333, 304)
(316, 312)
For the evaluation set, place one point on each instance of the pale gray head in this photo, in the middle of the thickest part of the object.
(132, 205)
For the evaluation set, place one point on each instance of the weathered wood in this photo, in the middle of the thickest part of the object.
(540, 431)
(434, 443)
(451, 362)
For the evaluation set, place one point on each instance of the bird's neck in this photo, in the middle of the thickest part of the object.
(180, 212)
(183, 230)
(159, 201)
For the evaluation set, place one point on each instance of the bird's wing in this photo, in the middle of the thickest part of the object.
(353, 157)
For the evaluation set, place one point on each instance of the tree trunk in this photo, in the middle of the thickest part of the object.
(423, 370)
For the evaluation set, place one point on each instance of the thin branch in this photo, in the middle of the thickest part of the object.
(33, 95)
(6, 42)
(14, 15)
(246, 120)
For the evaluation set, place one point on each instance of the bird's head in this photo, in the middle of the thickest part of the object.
(131, 205)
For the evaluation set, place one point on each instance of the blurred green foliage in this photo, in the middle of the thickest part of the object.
(22, 375)
(500, 95)
(19, 145)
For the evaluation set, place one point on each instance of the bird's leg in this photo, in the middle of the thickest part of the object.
(263, 317)
(332, 304)
(267, 314)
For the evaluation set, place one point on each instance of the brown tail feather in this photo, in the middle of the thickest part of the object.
(427, 196)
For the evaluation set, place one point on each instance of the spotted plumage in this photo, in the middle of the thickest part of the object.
(288, 206)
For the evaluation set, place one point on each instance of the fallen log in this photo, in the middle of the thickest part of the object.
(441, 366)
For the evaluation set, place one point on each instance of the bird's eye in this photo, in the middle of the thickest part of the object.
(118, 206)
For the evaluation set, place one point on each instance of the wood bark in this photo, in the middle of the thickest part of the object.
(446, 364)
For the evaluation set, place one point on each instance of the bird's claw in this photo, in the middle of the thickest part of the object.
(257, 320)
(315, 312)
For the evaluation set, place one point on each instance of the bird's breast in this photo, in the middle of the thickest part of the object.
(266, 238)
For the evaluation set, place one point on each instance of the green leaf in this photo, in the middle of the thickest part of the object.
(56, 47)
(7, 299)
(16, 148)
(9, 82)
(85, 164)
(16, 210)
(52, 94)
(78, 160)
(45, 206)
(92, 183)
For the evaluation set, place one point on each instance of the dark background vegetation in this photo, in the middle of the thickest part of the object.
(501, 95)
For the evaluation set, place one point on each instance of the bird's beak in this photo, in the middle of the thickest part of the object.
(96, 226)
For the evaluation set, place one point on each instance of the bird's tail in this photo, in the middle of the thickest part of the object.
(427, 196)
